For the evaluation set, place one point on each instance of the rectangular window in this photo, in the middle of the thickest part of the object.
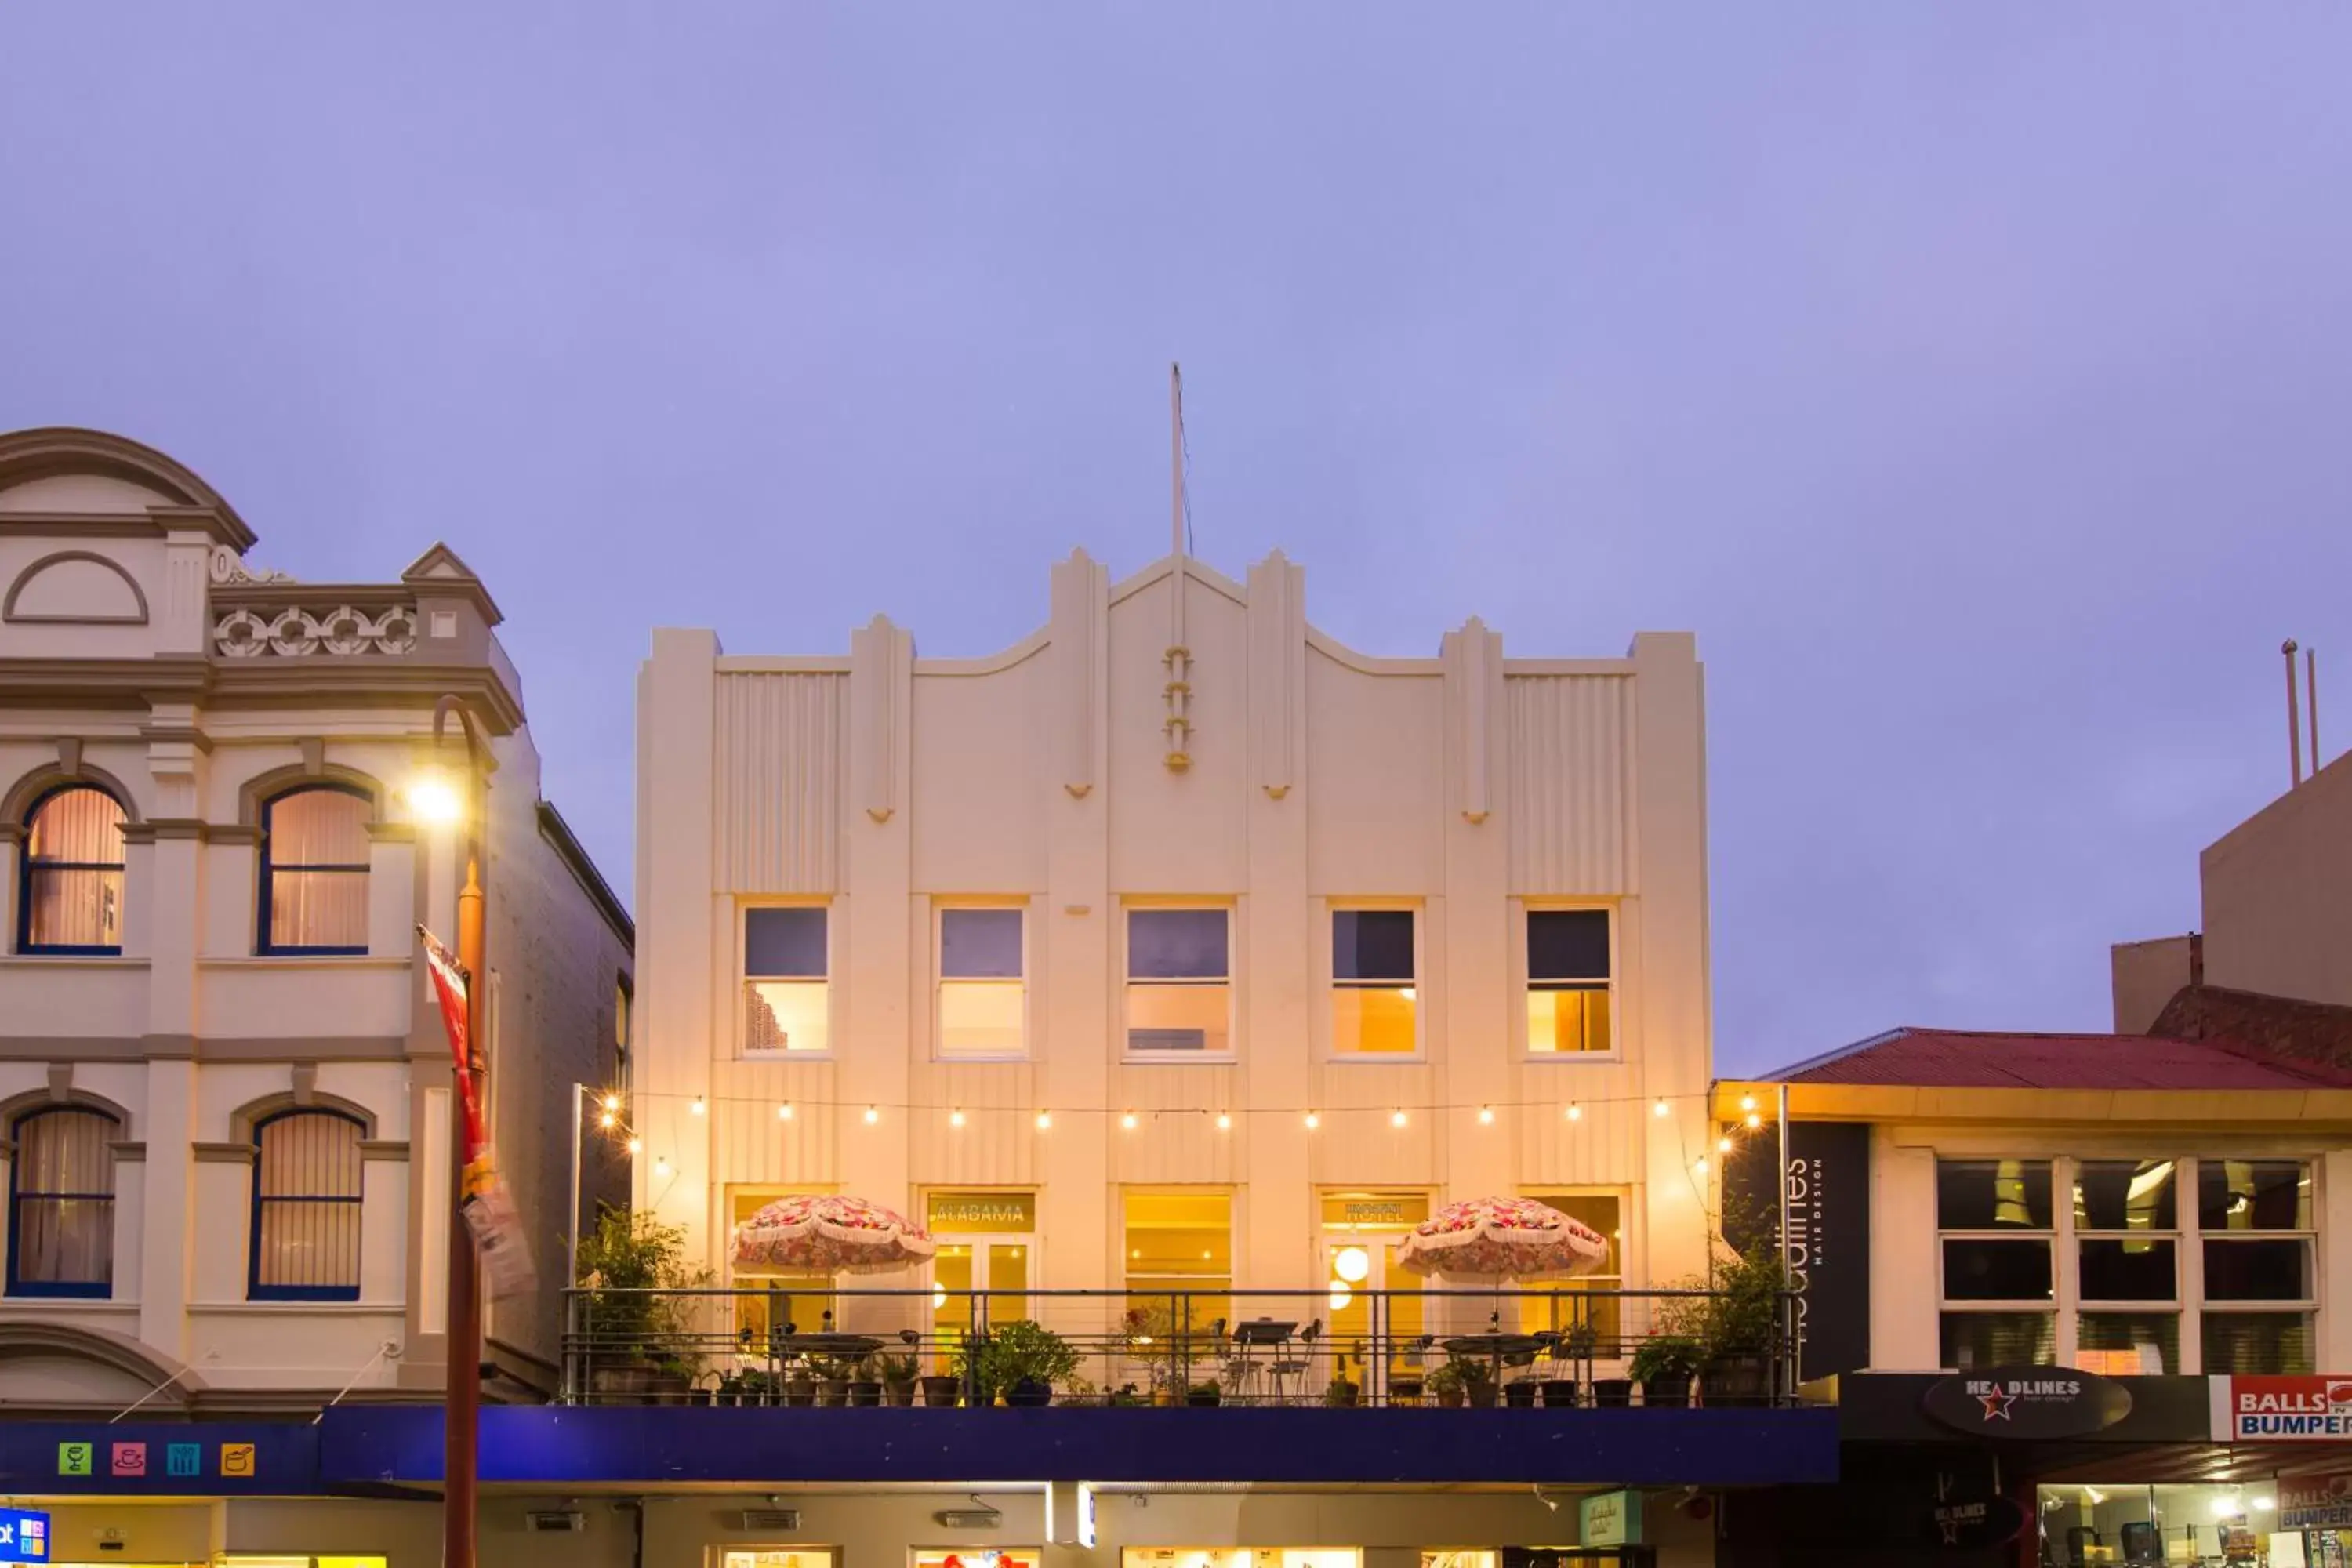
(1971, 1340)
(786, 1000)
(983, 995)
(1568, 982)
(1179, 1258)
(306, 1193)
(1589, 1300)
(61, 1203)
(314, 871)
(1179, 983)
(2258, 1345)
(2126, 1252)
(2129, 1344)
(1374, 1010)
(769, 1307)
(2257, 1227)
(1996, 1246)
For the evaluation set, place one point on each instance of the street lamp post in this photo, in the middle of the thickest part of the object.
(463, 1398)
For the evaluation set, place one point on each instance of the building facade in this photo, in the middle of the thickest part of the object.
(224, 1091)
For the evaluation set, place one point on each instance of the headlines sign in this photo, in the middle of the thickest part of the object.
(1825, 1181)
(2281, 1409)
(2027, 1401)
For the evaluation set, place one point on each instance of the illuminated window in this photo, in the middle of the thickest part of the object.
(1375, 1009)
(2255, 1218)
(306, 1207)
(1589, 1301)
(314, 871)
(1179, 983)
(1568, 982)
(983, 998)
(787, 1003)
(61, 1203)
(766, 1300)
(1180, 1256)
(70, 894)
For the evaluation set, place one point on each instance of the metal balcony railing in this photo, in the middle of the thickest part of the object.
(814, 1346)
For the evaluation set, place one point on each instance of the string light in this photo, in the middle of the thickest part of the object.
(1575, 1111)
(661, 1166)
(1723, 1145)
(1396, 1118)
(1486, 1116)
(637, 1145)
(955, 1118)
(1754, 1121)
(612, 1104)
(1313, 1121)
(785, 1111)
(698, 1107)
(873, 1115)
(1747, 1102)
(1224, 1122)
(608, 1121)
(1662, 1107)
(1699, 1166)
(1127, 1121)
(1044, 1121)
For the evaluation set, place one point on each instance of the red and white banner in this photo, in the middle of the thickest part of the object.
(2314, 1502)
(487, 1208)
(2281, 1409)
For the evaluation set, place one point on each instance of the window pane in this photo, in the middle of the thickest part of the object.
(1180, 1236)
(1995, 1271)
(1373, 1019)
(2131, 1270)
(1372, 945)
(1161, 1018)
(1567, 944)
(73, 909)
(1567, 1020)
(307, 1183)
(2153, 1338)
(981, 1018)
(786, 1016)
(1970, 1339)
(2122, 1195)
(980, 944)
(1993, 1195)
(784, 943)
(64, 1180)
(2257, 1271)
(83, 827)
(319, 827)
(2253, 1195)
(318, 909)
(2258, 1345)
(1176, 944)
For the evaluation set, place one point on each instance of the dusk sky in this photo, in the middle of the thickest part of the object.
(1975, 380)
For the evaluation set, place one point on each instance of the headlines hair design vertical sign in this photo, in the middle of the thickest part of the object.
(1827, 1176)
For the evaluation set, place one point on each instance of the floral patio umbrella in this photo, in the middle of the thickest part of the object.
(1515, 1239)
(825, 1235)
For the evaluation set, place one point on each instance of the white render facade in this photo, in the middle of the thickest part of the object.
(1174, 741)
(180, 1066)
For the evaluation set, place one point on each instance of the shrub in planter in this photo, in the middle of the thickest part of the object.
(634, 1339)
(1742, 1325)
(1207, 1395)
(941, 1390)
(1020, 1359)
(1342, 1393)
(1445, 1385)
(831, 1383)
(1663, 1365)
(897, 1372)
(866, 1384)
(799, 1387)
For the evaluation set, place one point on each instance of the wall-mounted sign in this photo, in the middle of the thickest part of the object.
(2314, 1502)
(1610, 1519)
(1827, 1175)
(983, 1214)
(24, 1536)
(2281, 1409)
(2027, 1401)
(1374, 1211)
(1968, 1514)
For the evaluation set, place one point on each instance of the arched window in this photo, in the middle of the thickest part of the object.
(314, 871)
(306, 1207)
(62, 1202)
(70, 893)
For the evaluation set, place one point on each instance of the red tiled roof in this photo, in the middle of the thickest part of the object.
(1955, 1059)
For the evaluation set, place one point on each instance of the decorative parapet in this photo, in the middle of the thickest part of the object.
(228, 569)
(294, 632)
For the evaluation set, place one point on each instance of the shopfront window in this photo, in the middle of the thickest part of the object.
(2256, 1524)
(774, 1557)
(1240, 1557)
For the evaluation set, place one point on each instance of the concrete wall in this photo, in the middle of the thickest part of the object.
(2145, 975)
(2278, 895)
(1466, 787)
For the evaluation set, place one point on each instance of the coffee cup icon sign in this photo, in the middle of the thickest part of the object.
(131, 1458)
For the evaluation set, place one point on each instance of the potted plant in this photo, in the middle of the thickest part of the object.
(1477, 1381)
(1343, 1392)
(1079, 1392)
(866, 1383)
(1207, 1395)
(832, 1382)
(1519, 1394)
(799, 1383)
(633, 1337)
(1741, 1326)
(942, 1390)
(1663, 1365)
(1124, 1397)
(1445, 1385)
(1021, 1360)
(898, 1369)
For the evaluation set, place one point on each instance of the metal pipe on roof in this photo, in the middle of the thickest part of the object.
(2294, 720)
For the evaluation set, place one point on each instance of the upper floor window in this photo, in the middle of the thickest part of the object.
(1375, 1009)
(983, 995)
(306, 1207)
(1179, 982)
(2255, 1218)
(1568, 982)
(314, 871)
(787, 1000)
(61, 1203)
(71, 896)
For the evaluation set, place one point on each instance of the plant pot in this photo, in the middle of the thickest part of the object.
(1164, 1398)
(865, 1394)
(1342, 1396)
(1451, 1398)
(1559, 1393)
(1519, 1395)
(1203, 1398)
(1612, 1392)
(943, 1391)
(1404, 1391)
(799, 1392)
(1029, 1393)
(630, 1384)
(901, 1394)
(1667, 1390)
(1480, 1394)
(1736, 1380)
(832, 1393)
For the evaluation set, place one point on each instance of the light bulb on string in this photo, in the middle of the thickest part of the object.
(1396, 1118)
(1313, 1121)
(1575, 1111)
(661, 1166)
(955, 1118)
(1747, 1102)
(608, 1121)
(698, 1107)
(1699, 1166)
(612, 1104)
(785, 1111)
(1661, 1108)
(1127, 1121)
(1224, 1122)
(1486, 1116)
(1754, 1121)
(1723, 1145)
(1044, 1121)
(637, 1145)
(873, 1115)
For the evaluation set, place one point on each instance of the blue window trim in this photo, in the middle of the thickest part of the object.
(261, 942)
(77, 1289)
(255, 1290)
(25, 945)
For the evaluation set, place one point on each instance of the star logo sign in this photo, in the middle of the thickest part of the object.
(1997, 1402)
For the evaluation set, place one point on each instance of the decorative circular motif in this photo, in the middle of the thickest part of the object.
(395, 631)
(242, 634)
(345, 631)
(294, 633)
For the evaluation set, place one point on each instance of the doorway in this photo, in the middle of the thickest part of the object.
(987, 1243)
(1377, 1334)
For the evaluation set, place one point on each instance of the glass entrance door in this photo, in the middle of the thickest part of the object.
(997, 1264)
(1382, 1348)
